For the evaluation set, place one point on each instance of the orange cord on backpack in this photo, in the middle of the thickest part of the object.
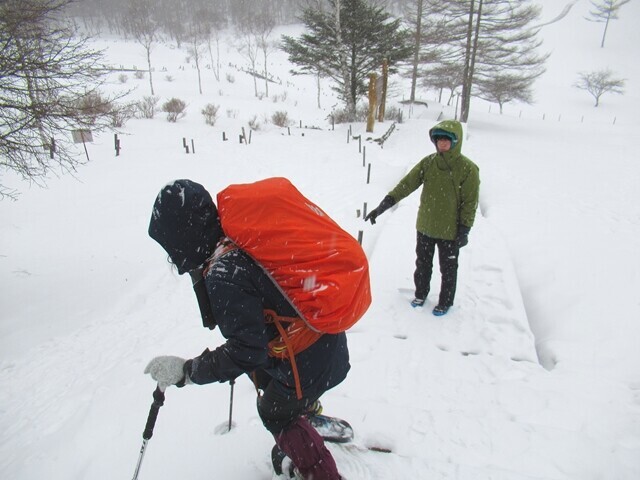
(288, 345)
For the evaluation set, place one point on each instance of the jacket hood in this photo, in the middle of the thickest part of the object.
(185, 222)
(452, 127)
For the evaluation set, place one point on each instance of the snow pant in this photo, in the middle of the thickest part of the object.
(283, 415)
(448, 252)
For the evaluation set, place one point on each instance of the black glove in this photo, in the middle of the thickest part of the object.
(386, 203)
(463, 235)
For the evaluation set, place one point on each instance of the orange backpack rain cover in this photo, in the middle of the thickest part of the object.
(321, 268)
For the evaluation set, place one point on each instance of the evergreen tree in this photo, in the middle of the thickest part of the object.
(357, 40)
(487, 40)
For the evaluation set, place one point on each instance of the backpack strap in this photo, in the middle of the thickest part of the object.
(294, 334)
(294, 337)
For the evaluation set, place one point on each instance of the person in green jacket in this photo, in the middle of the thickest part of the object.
(448, 202)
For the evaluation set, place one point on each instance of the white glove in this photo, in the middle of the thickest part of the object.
(168, 370)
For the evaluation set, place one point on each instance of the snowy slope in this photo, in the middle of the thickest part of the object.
(534, 374)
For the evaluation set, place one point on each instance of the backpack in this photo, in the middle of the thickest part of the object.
(319, 267)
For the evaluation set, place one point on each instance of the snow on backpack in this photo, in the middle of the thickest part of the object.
(321, 269)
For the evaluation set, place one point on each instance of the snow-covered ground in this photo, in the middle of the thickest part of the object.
(534, 374)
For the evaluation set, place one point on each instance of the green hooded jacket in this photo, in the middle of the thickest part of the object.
(451, 183)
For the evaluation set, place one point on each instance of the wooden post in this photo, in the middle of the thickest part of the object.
(84, 144)
(193, 147)
(383, 99)
(371, 117)
(116, 142)
(364, 210)
(369, 174)
(224, 136)
(364, 156)
(360, 234)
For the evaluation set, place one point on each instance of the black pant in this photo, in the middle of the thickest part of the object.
(278, 408)
(448, 252)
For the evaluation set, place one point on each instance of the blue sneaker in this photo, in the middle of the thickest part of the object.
(417, 302)
(440, 310)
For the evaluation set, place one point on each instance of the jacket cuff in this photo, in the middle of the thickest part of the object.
(199, 370)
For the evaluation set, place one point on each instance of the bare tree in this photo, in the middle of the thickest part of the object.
(504, 88)
(215, 64)
(445, 76)
(198, 31)
(144, 28)
(248, 48)
(195, 49)
(263, 26)
(598, 83)
(603, 11)
(48, 78)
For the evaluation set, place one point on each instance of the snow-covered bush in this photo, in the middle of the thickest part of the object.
(175, 109)
(280, 119)
(147, 106)
(210, 113)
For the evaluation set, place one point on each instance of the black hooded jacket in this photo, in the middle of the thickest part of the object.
(186, 224)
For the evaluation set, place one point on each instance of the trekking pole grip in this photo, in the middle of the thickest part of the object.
(158, 401)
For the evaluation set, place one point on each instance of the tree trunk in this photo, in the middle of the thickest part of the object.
(474, 51)
(472, 47)
(349, 96)
(196, 57)
(215, 66)
(266, 75)
(466, 87)
(148, 48)
(416, 53)
(606, 25)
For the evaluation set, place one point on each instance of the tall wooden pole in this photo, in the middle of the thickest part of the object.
(371, 117)
(383, 99)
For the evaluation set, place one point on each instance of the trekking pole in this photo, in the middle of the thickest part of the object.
(158, 401)
(232, 382)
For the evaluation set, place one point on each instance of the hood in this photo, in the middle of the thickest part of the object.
(453, 127)
(185, 222)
